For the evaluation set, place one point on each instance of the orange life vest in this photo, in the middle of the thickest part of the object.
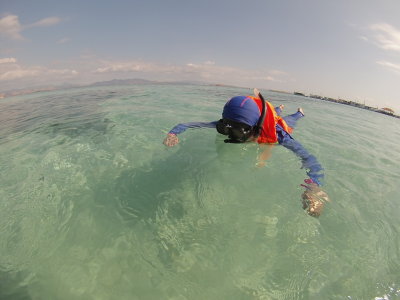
(268, 132)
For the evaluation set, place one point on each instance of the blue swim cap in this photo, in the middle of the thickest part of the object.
(242, 109)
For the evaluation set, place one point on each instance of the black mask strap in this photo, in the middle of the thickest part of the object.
(231, 141)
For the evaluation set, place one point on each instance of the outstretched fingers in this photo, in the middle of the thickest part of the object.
(171, 140)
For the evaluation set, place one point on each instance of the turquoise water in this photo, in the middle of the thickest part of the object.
(93, 206)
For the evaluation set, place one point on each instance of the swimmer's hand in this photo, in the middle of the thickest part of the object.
(171, 140)
(313, 198)
(264, 155)
(261, 164)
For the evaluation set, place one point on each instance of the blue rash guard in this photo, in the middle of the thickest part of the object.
(309, 161)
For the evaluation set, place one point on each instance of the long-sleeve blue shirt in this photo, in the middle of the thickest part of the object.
(309, 161)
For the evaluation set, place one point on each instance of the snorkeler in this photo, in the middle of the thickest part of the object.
(252, 119)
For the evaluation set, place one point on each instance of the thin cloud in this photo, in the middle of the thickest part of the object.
(278, 73)
(112, 67)
(11, 27)
(135, 66)
(20, 73)
(206, 71)
(63, 41)
(46, 22)
(10, 70)
(386, 36)
(7, 60)
(390, 66)
(87, 70)
(236, 76)
(17, 74)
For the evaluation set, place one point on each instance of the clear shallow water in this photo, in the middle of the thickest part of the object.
(93, 206)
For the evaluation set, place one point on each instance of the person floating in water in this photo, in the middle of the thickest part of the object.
(252, 119)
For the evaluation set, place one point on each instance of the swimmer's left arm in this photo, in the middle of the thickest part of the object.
(309, 161)
(313, 198)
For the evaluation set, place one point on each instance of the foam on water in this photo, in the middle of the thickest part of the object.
(93, 206)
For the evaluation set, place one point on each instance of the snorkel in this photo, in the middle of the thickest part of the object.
(258, 127)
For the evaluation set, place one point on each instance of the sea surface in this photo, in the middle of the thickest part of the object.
(94, 206)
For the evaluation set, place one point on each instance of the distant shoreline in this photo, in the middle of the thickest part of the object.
(114, 82)
(386, 111)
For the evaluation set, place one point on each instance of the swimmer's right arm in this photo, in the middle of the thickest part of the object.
(172, 138)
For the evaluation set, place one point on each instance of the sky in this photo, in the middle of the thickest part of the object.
(348, 49)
